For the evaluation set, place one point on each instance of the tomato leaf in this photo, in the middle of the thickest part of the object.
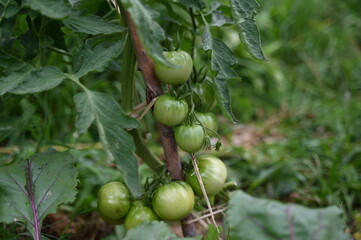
(9, 8)
(243, 12)
(31, 189)
(27, 79)
(56, 9)
(222, 60)
(250, 218)
(91, 24)
(149, 31)
(88, 59)
(154, 231)
(111, 121)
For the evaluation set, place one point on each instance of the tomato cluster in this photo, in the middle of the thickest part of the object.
(172, 201)
(115, 207)
(193, 122)
(175, 112)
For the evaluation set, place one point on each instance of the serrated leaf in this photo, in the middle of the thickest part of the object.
(149, 31)
(31, 189)
(56, 9)
(88, 59)
(222, 60)
(250, 218)
(243, 12)
(195, 4)
(91, 24)
(31, 80)
(111, 121)
(224, 99)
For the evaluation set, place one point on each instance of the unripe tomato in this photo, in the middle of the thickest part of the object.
(190, 138)
(113, 202)
(213, 172)
(208, 120)
(170, 111)
(178, 75)
(173, 201)
(138, 214)
(204, 97)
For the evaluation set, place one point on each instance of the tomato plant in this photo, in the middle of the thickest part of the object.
(173, 201)
(213, 173)
(138, 214)
(180, 72)
(170, 111)
(113, 202)
(190, 138)
(208, 120)
(204, 96)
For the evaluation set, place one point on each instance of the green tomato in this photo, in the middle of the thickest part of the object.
(184, 66)
(204, 97)
(213, 172)
(173, 201)
(170, 111)
(208, 120)
(190, 138)
(113, 202)
(138, 214)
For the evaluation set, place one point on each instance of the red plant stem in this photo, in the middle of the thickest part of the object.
(32, 200)
(153, 90)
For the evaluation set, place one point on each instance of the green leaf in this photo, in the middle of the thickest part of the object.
(88, 59)
(149, 31)
(31, 80)
(250, 218)
(195, 4)
(111, 121)
(223, 99)
(243, 12)
(91, 24)
(212, 233)
(222, 60)
(8, 8)
(37, 185)
(56, 9)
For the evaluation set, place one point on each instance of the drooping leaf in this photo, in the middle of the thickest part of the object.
(222, 60)
(224, 99)
(111, 122)
(154, 231)
(56, 9)
(243, 12)
(31, 189)
(91, 24)
(88, 59)
(250, 218)
(149, 31)
(195, 4)
(30, 80)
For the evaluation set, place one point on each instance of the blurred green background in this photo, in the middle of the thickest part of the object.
(299, 139)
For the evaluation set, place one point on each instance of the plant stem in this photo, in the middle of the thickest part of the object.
(153, 90)
(32, 200)
(145, 154)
